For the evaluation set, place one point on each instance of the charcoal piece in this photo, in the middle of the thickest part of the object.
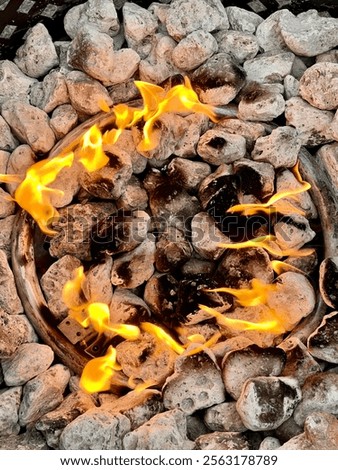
(218, 80)
(160, 294)
(239, 267)
(172, 250)
(119, 232)
(322, 343)
(247, 363)
(195, 266)
(328, 281)
(255, 178)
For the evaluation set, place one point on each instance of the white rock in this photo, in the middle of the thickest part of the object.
(4, 157)
(9, 410)
(269, 67)
(167, 431)
(260, 104)
(193, 50)
(280, 148)
(100, 15)
(216, 146)
(29, 360)
(29, 124)
(158, 66)
(312, 124)
(15, 330)
(7, 141)
(85, 93)
(269, 34)
(126, 62)
(319, 85)
(13, 83)
(51, 93)
(6, 228)
(9, 299)
(190, 173)
(64, 118)
(251, 131)
(224, 417)
(43, 393)
(291, 87)
(139, 26)
(293, 231)
(95, 430)
(37, 55)
(240, 45)
(186, 16)
(206, 237)
(7, 205)
(255, 403)
(19, 161)
(309, 34)
(243, 20)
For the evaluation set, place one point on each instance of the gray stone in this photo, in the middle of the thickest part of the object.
(291, 87)
(293, 231)
(19, 161)
(193, 50)
(294, 298)
(268, 33)
(266, 402)
(190, 173)
(243, 20)
(100, 15)
(186, 16)
(133, 197)
(250, 362)
(197, 124)
(269, 67)
(251, 131)
(53, 423)
(97, 286)
(4, 157)
(49, 93)
(133, 269)
(270, 443)
(127, 307)
(309, 34)
(216, 146)
(158, 66)
(218, 80)
(13, 83)
(7, 140)
(312, 124)
(7, 205)
(329, 56)
(6, 227)
(126, 143)
(172, 250)
(222, 441)
(319, 394)
(319, 85)
(224, 417)
(53, 281)
(27, 362)
(43, 393)
(138, 407)
(15, 330)
(167, 431)
(206, 237)
(240, 45)
(9, 299)
(195, 384)
(29, 440)
(29, 124)
(259, 103)
(139, 27)
(300, 364)
(85, 93)
(321, 429)
(95, 430)
(9, 411)
(322, 342)
(37, 55)
(64, 118)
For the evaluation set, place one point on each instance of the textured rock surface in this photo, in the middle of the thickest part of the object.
(9, 411)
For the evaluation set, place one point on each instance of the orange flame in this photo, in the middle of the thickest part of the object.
(268, 242)
(159, 333)
(91, 153)
(267, 207)
(280, 267)
(257, 295)
(97, 373)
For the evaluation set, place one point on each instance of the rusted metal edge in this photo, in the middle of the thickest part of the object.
(325, 197)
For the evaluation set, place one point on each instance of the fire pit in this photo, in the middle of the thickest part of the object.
(174, 239)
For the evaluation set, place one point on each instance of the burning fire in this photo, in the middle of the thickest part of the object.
(34, 194)
(252, 209)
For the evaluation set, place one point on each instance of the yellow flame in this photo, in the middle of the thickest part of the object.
(251, 209)
(205, 345)
(91, 153)
(256, 295)
(268, 242)
(271, 326)
(138, 387)
(159, 333)
(103, 105)
(280, 267)
(97, 373)
(33, 193)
